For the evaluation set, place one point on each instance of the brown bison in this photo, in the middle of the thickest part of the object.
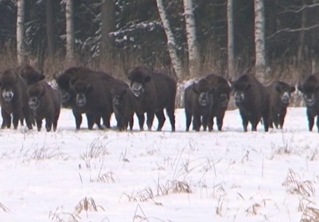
(310, 90)
(14, 100)
(198, 101)
(279, 98)
(152, 93)
(252, 99)
(45, 103)
(30, 74)
(78, 82)
(221, 98)
(123, 106)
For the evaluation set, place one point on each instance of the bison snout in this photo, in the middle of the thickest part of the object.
(80, 100)
(224, 100)
(34, 103)
(203, 99)
(239, 97)
(137, 89)
(309, 99)
(285, 98)
(65, 96)
(7, 95)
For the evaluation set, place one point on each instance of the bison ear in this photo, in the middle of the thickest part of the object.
(147, 78)
(278, 88)
(292, 89)
(300, 88)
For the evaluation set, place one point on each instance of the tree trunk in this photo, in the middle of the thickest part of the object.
(20, 32)
(49, 28)
(260, 60)
(69, 31)
(230, 40)
(107, 26)
(171, 43)
(193, 53)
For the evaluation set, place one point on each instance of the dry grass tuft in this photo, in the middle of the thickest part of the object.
(87, 204)
(108, 177)
(4, 208)
(310, 214)
(44, 154)
(60, 216)
(295, 186)
(96, 149)
(140, 196)
(173, 186)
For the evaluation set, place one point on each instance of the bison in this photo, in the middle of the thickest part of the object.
(45, 103)
(76, 82)
(279, 98)
(252, 99)
(152, 93)
(30, 74)
(310, 90)
(123, 106)
(221, 98)
(198, 101)
(14, 100)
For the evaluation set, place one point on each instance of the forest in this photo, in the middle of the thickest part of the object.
(116, 35)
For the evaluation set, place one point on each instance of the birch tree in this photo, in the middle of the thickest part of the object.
(107, 25)
(260, 60)
(193, 52)
(69, 31)
(171, 43)
(20, 32)
(230, 40)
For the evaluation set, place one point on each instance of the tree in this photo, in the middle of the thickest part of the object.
(20, 32)
(230, 40)
(107, 26)
(49, 27)
(171, 43)
(69, 31)
(193, 52)
(260, 60)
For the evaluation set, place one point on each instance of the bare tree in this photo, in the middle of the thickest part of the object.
(20, 32)
(107, 26)
(260, 57)
(230, 40)
(193, 52)
(69, 31)
(49, 28)
(171, 43)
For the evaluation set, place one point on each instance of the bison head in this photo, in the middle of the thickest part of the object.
(81, 90)
(118, 95)
(35, 92)
(222, 96)
(204, 92)
(284, 91)
(240, 90)
(8, 84)
(310, 90)
(29, 74)
(138, 77)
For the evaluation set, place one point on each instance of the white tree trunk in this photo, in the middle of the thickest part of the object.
(69, 31)
(230, 40)
(107, 26)
(260, 57)
(20, 32)
(193, 52)
(171, 43)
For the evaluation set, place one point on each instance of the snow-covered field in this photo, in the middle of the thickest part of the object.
(135, 176)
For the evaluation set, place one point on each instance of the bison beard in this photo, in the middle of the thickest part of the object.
(198, 100)
(310, 90)
(279, 98)
(153, 92)
(14, 100)
(252, 99)
(45, 103)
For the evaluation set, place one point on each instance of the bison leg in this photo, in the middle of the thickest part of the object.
(91, 120)
(318, 123)
(131, 121)
(161, 119)
(220, 120)
(78, 119)
(205, 122)
(141, 119)
(244, 122)
(171, 115)
(48, 124)
(196, 122)
(282, 118)
(6, 119)
(39, 124)
(15, 121)
(106, 120)
(55, 122)
(188, 119)
(311, 120)
(149, 121)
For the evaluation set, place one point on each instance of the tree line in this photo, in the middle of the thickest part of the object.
(184, 38)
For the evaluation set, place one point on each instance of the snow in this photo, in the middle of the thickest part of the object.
(113, 176)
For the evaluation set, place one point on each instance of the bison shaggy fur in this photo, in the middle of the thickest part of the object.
(152, 93)
(252, 99)
(279, 99)
(198, 100)
(14, 100)
(29, 74)
(310, 90)
(45, 103)
(221, 99)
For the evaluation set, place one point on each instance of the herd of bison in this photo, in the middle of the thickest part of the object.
(26, 97)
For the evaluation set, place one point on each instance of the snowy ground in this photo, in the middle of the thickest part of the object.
(161, 176)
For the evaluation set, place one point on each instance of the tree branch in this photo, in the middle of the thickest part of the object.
(293, 30)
